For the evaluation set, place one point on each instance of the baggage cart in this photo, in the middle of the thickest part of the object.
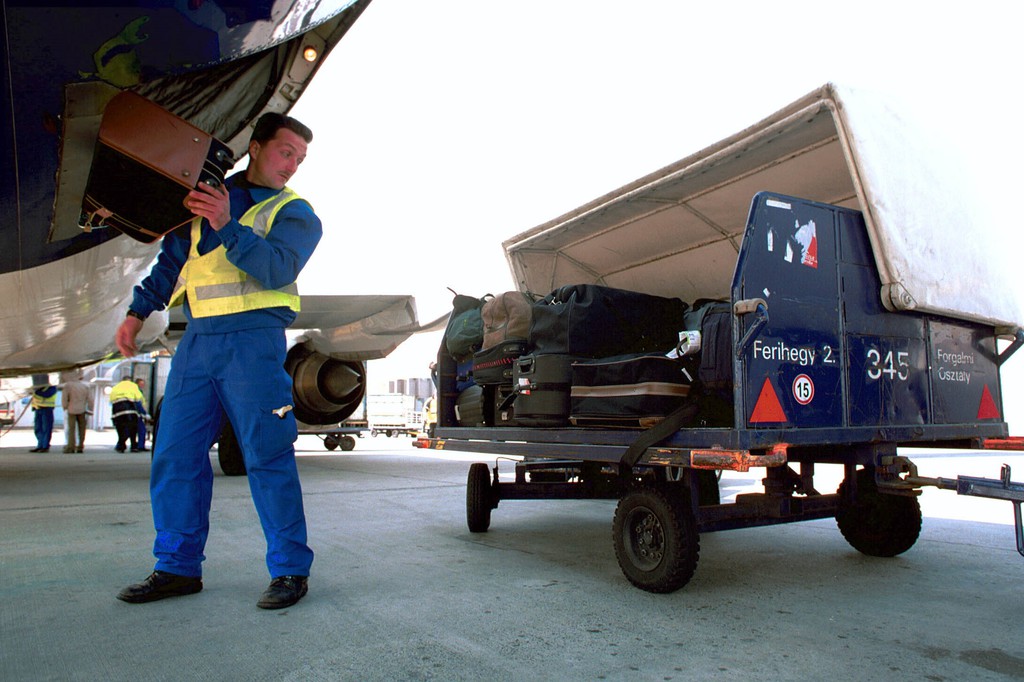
(852, 344)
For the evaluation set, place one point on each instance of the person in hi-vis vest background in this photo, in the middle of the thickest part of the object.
(234, 271)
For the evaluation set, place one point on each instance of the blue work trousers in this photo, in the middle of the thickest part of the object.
(240, 374)
(42, 423)
(140, 438)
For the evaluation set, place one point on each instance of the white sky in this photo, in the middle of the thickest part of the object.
(443, 128)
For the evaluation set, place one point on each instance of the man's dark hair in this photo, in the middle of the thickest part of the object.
(269, 123)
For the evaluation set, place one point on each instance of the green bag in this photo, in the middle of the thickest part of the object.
(465, 331)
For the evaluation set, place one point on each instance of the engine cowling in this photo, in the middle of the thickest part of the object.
(325, 390)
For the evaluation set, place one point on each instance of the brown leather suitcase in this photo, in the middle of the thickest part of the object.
(146, 161)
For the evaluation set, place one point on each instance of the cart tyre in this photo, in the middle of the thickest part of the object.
(479, 498)
(347, 443)
(656, 540)
(875, 523)
(330, 441)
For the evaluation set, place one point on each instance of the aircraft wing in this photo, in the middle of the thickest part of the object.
(359, 327)
(351, 328)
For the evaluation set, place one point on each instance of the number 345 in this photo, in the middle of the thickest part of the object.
(895, 365)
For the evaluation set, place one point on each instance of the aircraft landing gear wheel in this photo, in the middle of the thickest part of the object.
(347, 443)
(331, 441)
(656, 539)
(479, 498)
(875, 523)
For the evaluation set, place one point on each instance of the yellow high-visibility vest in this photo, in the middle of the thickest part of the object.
(125, 390)
(43, 401)
(214, 286)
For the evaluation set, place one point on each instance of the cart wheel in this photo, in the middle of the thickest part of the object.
(347, 443)
(875, 523)
(330, 441)
(479, 498)
(656, 539)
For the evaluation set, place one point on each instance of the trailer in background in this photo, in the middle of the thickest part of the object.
(394, 414)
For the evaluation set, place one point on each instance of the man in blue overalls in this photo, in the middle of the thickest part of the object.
(235, 273)
(44, 399)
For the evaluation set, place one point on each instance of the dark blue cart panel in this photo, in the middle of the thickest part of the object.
(831, 355)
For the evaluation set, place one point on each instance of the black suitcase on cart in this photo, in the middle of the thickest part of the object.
(633, 391)
(542, 389)
(494, 365)
(469, 407)
(499, 405)
(595, 321)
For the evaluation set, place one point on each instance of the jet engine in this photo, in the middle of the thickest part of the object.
(325, 390)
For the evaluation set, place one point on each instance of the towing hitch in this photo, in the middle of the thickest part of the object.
(1001, 488)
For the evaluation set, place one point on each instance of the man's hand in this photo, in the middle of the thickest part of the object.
(125, 336)
(212, 203)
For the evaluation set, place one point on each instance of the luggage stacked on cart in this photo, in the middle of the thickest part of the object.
(462, 338)
(568, 379)
(506, 325)
(585, 355)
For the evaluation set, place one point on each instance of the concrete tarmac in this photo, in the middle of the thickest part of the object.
(401, 590)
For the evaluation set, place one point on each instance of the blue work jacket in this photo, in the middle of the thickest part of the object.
(274, 261)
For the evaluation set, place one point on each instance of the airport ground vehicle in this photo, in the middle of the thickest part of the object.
(393, 414)
(854, 336)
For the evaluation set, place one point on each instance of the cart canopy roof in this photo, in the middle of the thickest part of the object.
(677, 231)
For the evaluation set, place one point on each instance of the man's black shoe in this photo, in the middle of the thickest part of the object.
(283, 592)
(160, 585)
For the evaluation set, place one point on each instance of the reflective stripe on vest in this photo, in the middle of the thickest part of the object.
(39, 401)
(214, 285)
(123, 408)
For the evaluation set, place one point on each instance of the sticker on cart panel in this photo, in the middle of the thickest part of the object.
(803, 389)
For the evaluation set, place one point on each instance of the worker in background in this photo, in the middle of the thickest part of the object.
(235, 273)
(140, 439)
(44, 399)
(76, 399)
(123, 398)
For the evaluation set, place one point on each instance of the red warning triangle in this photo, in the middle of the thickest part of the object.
(768, 408)
(987, 409)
